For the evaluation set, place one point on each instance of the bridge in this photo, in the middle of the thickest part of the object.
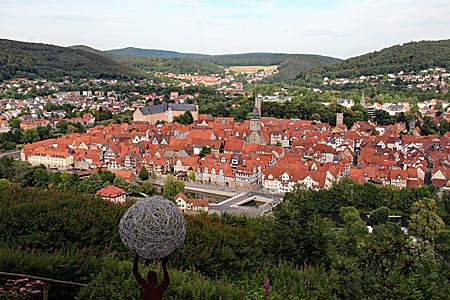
(252, 203)
(238, 201)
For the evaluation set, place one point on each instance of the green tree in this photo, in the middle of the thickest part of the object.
(30, 136)
(205, 151)
(425, 222)
(147, 188)
(106, 176)
(43, 132)
(355, 230)
(21, 172)
(133, 188)
(379, 216)
(444, 126)
(55, 178)
(296, 232)
(171, 187)
(143, 174)
(6, 146)
(69, 181)
(120, 182)
(92, 183)
(62, 127)
(315, 116)
(41, 178)
(15, 123)
(439, 107)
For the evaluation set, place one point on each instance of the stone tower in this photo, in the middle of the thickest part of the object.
(258, 101)
(255, 136)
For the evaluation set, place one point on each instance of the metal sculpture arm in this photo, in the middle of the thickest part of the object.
(136, 273)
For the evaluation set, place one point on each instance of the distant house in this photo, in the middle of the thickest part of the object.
(193, 205)
(112, 193)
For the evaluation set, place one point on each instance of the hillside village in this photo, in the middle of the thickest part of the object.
(289, 153)
(272, 154)
(425, 80)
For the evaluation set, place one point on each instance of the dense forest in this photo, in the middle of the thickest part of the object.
(178, 65)
(155, 53)
(32, 60)
(413, 56)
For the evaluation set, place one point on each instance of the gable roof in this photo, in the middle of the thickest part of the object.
(182, 196)
(110, 191)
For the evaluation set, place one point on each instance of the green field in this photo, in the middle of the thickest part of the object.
(241, 69)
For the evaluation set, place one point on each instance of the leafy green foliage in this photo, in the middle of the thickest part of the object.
(425, 222)
(379, 216)
(148, 188)
(297, 233)
(50, 220)
(224, 257)
(32, 60)
(120, 182)
(205, 151)
(186, 118)
(178, 65)
(143, 174)
(171, 187)
(365, 196)
(116, 281)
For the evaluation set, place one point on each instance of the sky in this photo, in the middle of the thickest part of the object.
(338, 28)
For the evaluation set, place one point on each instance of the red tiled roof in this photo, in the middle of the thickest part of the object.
(110, 191)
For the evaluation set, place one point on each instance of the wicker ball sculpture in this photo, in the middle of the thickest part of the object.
(153, 228)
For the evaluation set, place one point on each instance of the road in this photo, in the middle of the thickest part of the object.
(237, 197)
(235, 205)
(14, 153)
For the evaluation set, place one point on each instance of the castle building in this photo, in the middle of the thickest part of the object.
(164, 112)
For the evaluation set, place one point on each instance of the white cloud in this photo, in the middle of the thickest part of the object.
(341, 28)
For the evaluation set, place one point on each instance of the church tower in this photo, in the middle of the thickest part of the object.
(255, 136)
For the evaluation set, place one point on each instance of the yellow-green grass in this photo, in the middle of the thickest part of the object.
(240, 69)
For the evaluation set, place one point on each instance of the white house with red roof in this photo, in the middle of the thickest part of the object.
(113, 194)
(194, 205)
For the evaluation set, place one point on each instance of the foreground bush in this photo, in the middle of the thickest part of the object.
(71, 267)
(116, 282)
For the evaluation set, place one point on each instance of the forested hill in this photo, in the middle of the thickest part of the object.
(32, 60)
(413, 56)
(290, 65)
(155, 53)
(268, 59)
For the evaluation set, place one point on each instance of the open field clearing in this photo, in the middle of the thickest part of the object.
(240, 69)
